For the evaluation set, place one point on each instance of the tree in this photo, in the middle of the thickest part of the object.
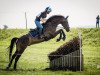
(5, 26)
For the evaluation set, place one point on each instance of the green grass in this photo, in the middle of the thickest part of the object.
(34, 60)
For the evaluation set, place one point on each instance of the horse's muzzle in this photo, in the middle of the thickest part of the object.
(67, 30)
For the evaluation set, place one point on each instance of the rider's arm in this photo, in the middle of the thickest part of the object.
(43, 20)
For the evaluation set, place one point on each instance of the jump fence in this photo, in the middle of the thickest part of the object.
(70, 61)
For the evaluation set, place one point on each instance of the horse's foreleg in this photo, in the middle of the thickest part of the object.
(64, 36)
(59, 37)
(52, 35)
(56, 33)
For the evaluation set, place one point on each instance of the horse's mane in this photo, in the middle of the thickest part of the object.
(51, 19)
(54, 17)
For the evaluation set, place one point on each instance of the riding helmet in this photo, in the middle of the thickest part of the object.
(48, 9)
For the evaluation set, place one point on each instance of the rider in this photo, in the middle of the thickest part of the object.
(41, 18)
(97, 21)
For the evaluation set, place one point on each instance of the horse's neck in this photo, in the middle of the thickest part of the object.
(50, 27)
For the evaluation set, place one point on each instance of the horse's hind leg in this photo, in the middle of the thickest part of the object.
(16, 60)
(14, 55)
(18, 56)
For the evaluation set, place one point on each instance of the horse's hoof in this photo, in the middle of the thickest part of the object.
(7, 68)
(15, 69)
(57, 40)
(64, 38)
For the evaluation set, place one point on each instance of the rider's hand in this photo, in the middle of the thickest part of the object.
(43, 20)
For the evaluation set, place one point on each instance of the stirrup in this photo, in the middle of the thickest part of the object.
(33, 29)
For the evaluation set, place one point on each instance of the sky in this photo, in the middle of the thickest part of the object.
(82, 13)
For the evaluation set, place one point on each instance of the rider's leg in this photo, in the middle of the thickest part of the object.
(39, 26)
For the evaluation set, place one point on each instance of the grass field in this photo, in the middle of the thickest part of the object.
(34, 60)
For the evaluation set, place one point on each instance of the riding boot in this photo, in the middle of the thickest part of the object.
(40, 34)
(39, 37)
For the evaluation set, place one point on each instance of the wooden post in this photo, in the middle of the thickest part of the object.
(26, 19)
(79, 33)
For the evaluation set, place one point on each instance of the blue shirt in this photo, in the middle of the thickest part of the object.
(41, 15)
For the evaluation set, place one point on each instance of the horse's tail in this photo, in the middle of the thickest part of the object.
(12, 46)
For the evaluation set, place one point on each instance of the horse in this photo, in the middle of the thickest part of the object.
(49, 32)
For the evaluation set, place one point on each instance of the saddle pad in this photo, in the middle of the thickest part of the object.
(33, 33)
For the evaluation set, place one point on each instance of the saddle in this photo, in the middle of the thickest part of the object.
(34, 32)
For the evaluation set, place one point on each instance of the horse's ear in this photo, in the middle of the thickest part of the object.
(66, 17)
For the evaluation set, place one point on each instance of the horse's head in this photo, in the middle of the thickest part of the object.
(65, 24)
(56, 20)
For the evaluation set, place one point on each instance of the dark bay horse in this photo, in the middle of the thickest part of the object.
(49, 32)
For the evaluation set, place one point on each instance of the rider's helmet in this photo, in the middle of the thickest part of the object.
(48, 10)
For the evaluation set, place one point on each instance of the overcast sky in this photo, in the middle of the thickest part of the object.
(82, 13)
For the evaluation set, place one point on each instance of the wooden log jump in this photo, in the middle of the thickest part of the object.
(67, 56)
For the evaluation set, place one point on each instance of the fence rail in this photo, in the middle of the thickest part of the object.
(70, 61)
